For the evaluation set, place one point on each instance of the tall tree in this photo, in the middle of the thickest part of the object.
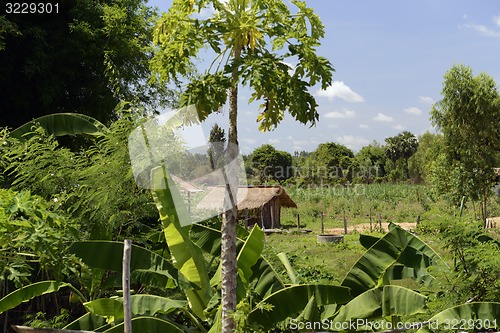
(85, 58)
(271, 163)
(403, 145)
(469, 118)
(251, 40)
(217, 146)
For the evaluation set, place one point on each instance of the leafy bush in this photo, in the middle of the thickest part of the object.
(32, 237)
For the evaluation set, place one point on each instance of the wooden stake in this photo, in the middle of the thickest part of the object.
(371, 229)
(345, 224)
(322, 223)
(380, 221)
(127, 311)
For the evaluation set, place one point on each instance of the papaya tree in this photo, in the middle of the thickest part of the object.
(252, 41)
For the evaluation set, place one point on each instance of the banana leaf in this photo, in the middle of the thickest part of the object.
(148, 325)
(187, 257)
(33, 290)
(478, 317)
(146, 266)
(291, 302)
(60, 124)
(381, 302)
(373, 268)
(140, 305)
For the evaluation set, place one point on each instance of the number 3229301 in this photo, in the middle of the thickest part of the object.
(31, 8)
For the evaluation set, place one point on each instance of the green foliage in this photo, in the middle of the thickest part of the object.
(268, 164)
(84, 59)
(371, 160)
(259, 26)
(468, 117)
(95, 184)
(217, 140)
(401, 146)
(33, 238)
(428, 151)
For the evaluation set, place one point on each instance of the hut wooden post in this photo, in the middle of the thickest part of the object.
(262, 217)
(271, 208)
(298, 220)
(246, 218)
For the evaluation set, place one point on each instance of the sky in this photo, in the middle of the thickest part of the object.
(389, 58)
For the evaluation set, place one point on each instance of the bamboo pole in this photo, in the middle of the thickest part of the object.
(127, 311)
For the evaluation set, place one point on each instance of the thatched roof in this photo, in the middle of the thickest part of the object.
(248, 198)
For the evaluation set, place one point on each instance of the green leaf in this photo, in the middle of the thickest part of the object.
(140, 305)
(108, 255)
(87, 322)
(148, 325)
(289, 302)
(60, 124)
(381, 302)
(251, 251)
(397, 246)
(466, 314)
(289, 269)
(28, 292)
(187, 256)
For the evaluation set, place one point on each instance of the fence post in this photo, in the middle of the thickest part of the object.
(127, 311)
(371, 229)
(380, 220)
(345, 224)
(322, 223)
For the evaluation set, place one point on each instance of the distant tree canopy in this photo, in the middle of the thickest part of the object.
(84, 59)
(371, 160)
(268, 163)
(217, 146)
(401, 146)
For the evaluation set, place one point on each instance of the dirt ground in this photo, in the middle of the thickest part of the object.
(365, 227)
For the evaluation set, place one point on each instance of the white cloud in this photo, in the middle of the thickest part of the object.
(426, 100)
(399, 127)
(483, 30)
(273, 141)
(413, 110)
(339, 89)
(249, 141)
(340, 114)
(496, 20)
(364, 126)
(352, 140)
(383, 118)
(333, 126)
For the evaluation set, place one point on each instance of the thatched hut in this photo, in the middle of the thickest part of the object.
(256, 205)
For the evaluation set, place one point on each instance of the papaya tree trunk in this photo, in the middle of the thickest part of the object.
(228, 246)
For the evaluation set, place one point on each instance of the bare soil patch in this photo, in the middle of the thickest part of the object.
(365, 227)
